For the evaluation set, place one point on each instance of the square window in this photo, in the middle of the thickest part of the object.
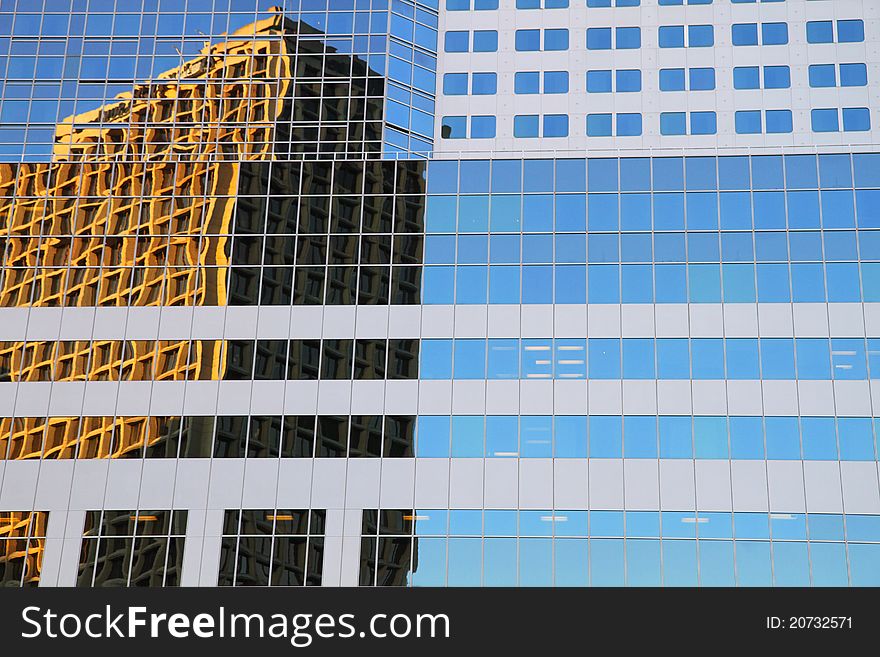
(856, 119)
(777, 77)
(482, 127)
(453, 127)
(669, 36)
(825, 120)
(852, 31)
(673, 123)
(822, 75)
(598, 125)
(702, 79)
(598, 81)
(556, 82)
(820, 32)
(485, 41)
(629, 125)
(525, 125)
(484, 84)
(672, 79)
(701, 36)
(778, 121)
(628, 37)
(457, 41)
(556, 125)
(704, 123)
(598, 38)
(455, 84)
(748, 122)
(746, 77)
(556, 39)
(744, 34)
(774, 34)
(527, 82)
(853, 75)
(629, 80)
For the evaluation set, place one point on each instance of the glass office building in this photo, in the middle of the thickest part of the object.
(484, 293)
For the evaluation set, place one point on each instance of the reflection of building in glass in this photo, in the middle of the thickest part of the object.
(132, 548)
(283, 547)
(22, 544)
(389, 552)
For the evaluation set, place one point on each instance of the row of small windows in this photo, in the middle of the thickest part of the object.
(630, 124)
(669, 36)
(671, 79)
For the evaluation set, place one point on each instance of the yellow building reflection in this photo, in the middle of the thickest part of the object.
(22, 544)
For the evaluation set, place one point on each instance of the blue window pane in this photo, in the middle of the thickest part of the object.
(556, 82)
(820, 32)
(527, 40)
(791, 564)
(536, 436)
(635, 174)
(555, 125)
(753, 563)
(823, 75)
(813, 358)
(470, 359)
(599, 38)
(506, 177)
(746, 438)
(457, 41)
(599, 125)
(783, 438)
(628, 37)
(602, 175)
(673, 123)
(673, 360)
(637, 284)
(571, 284)
(607, 562)
(853, 75)
(432, 436)
(828, 561)
(606, 436)
(640, 437)
(527, 82)
(470, 284)
(819, 439)
(638, 358)
(668, 174)
(485, 41)
(778, 121)
(703, 123)
(746, 77)
(675, 437)
(825, 120)
(501, 436)
(629, 125)
(716, 563)
(748, 122)
(774, 34)
(571, 212)
(777, 77)
(571, 562)
(454, 127)
(571, 175)
(702, 79)
(701, 36)
(838, 210)
(525, 125)
(679, 563)
(856, 119)
(850, 31)
(670, 36)
(745, 34)
(436, 359)
(742, 358)
(672, 79)
(856, 439)
(598, 81)
(629, 80)
(484, 84)
(455, 84)
(773, 283)
(570, 436)
(537, 284)
(556, 39)
(710, 438)
(843, 282)
(604, 357)
(482, 127)
(504, 353)
(439, 285)
(739, 283)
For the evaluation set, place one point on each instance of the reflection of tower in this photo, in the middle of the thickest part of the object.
(142, 196)
(22, 543)
(389, 551)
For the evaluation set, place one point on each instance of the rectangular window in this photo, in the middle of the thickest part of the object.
(527, 40)
(704, 123)
(822, 75)
(629, 80)
(744, 34)
(672, 79)
(484, 84)
(482, 127)
(673, 123)
(748, 122)
(598, 81)
(485, 41)
(746, 77)
(669, 36)
(453, 127)
(825, 120)
(556, 39)
(820, 32)
(856, 119)
(457, 41)
(702, 79)
(556, 125)
(850, 31)
(525, 125)
(777, 77)
(598, 125)
(701, 36)
(556, 82)
(455, 84)
(527, 82)
(627, 38)
(778, 121)
(774, 34)
(598, 38)
(853, 75)
(629, 125)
